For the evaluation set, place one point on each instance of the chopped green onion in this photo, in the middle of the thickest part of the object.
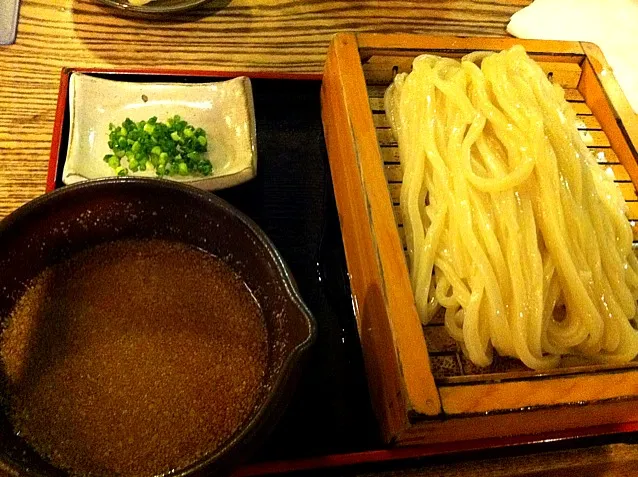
(171, 148)
(114, 162)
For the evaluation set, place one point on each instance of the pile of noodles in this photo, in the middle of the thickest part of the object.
(510, 224)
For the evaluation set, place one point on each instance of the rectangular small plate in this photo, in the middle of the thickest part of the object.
(8, 21)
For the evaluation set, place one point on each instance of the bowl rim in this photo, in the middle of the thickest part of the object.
(150, 9)
(252, 425)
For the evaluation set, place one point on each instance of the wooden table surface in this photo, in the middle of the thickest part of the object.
(246, 35)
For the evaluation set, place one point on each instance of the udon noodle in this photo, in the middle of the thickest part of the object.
(510, 223)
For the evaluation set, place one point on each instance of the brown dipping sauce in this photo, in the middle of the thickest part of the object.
(133, 357)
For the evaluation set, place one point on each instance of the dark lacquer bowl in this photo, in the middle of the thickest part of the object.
(73, 218)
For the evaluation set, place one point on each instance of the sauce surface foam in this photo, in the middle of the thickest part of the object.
(134, 357)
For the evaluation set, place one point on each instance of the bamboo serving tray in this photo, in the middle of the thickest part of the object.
(423, 390)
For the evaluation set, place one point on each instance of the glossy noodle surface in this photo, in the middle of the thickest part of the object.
(510, 224)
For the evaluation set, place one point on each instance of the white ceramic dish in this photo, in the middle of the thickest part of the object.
(223, 109)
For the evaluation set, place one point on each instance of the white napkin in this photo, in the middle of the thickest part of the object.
(611, 24)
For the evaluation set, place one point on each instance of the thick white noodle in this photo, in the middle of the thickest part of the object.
(510, 223)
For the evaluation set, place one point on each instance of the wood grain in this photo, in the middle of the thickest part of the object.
(385, 385)
(610, 105)
(380, 69)
(391, 277)
(521, 394)
(616, 460)
(477, 407)
(543, 421)
(242, 35)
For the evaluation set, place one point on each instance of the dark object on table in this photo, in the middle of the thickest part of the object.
(155, 7)
(55, 226)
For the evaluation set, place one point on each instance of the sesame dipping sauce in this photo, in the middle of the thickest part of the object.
(134, 357)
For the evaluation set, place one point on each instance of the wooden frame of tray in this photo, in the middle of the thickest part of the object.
(423, 390)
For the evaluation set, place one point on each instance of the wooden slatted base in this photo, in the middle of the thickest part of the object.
(454, 399)
(449, 365)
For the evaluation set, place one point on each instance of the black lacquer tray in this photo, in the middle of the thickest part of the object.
(330, 421)
(292, 200)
